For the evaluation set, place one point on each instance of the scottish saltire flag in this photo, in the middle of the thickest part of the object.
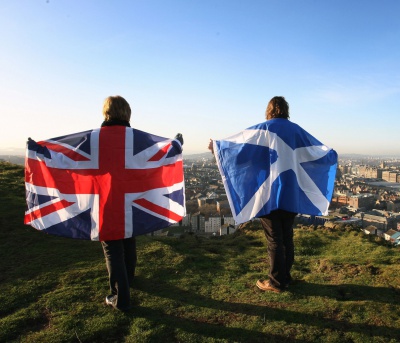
(104, 184)
(275, 165)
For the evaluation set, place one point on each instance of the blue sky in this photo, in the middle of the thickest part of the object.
(204, 68)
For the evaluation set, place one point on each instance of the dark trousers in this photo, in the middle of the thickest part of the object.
(278, 229)
(121, 263)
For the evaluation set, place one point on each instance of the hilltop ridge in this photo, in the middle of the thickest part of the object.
(192, 288)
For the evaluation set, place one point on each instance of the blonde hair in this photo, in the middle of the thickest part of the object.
(277, 107)
(116, 107)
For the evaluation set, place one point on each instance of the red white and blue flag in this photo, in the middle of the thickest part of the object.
(276, 165)
(105, 184)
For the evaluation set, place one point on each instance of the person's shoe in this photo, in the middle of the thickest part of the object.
(266, 286)
(111, 300)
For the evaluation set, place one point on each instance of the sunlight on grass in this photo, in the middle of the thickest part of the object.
(194, 289)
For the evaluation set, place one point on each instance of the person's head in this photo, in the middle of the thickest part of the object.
(277, 108)
(116, 107)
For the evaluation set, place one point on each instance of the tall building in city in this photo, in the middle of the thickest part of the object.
(213, 224)
(197, 222)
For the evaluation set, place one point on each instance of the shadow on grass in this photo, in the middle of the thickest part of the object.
(203, 329)
(33, 264)
(34, 252)
(349, 292)
(319, 320)
(203, 255)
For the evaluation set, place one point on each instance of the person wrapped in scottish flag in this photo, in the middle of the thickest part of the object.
(273, 171)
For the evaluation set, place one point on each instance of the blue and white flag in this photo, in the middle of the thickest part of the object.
(276, 165)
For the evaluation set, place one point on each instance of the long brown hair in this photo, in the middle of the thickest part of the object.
(277, 107)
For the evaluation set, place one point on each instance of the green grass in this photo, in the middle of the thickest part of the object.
(193, 289)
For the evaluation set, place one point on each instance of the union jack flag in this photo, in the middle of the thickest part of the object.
(105, 184)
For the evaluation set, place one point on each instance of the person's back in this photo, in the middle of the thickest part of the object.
(272, 171)
(120, 254)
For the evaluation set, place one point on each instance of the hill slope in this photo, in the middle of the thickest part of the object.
(193, 289)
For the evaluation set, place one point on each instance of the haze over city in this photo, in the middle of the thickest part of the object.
(205, 68)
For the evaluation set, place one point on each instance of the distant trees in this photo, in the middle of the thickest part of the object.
(208, 209)
(192, 206)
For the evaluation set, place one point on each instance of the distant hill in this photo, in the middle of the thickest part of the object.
(361, 156)
(206, 155)
(13, 159)
(20, 159)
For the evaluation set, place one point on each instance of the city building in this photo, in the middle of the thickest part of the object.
(228, 220)
(367, 219)
(213, 224)
(365, 201)
(227, 229)
(197, 222)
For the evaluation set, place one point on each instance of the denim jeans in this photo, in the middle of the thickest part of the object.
(278, 229)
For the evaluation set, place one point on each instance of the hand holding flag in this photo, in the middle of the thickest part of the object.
(104, 184)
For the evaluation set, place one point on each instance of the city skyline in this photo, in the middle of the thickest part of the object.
(205, 69)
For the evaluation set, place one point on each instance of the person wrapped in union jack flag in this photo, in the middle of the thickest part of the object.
(273, 171)
(109, 184)
(120, 254)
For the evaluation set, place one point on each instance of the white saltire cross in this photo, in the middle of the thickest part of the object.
(288, 159)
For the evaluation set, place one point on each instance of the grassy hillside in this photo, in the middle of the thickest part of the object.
(193, 289)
